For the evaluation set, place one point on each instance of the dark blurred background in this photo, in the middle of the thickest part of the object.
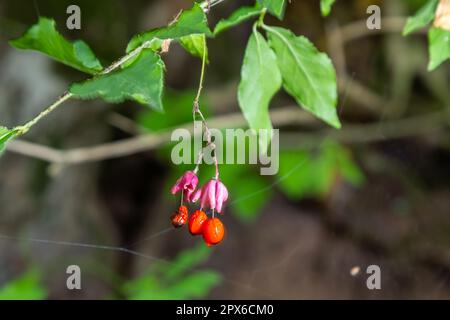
(375, 192)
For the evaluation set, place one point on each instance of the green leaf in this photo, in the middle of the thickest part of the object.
(44, 38)
(5, 135)
(141, 81)
(26, 287)
(260, 80)
(195, 44)
(308, 75)
(240, 15)
(196, 285)
(186, 260)
(191, 286)
(438, 47)
(192, 21)
(325, 7)
(275, 7)
(422, 18)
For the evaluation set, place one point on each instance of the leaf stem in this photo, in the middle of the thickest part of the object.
(202, 74)
(261, 17)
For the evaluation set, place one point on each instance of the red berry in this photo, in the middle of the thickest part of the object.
(196, 222)
(213, 231)
(183, 210)
(180, 218)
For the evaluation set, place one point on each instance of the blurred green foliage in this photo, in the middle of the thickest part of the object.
(26, 287)
(177, 111)
(175, 280)
(325, 7)
(305, 173)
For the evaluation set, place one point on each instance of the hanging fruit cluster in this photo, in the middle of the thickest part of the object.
(212, 196)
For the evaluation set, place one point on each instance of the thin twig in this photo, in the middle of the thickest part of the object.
(284, 116)
(372, 132)
(124, 147)
(21, 130)
(358, 29)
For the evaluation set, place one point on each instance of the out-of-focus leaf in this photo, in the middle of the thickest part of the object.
(177, 111)
(325, 7)
(186, 260)
(240, 15)
(174, 280)
(44, 38)
(141, 81)
(438, 46)
(302, 173)
(348, 168)
(195, 44)
(196, 285)
(142, 286)
(5, 135)
(295, 173)
(275, 7)
(192, 21)
(26, 287)
(422, 18)
(251, 193)
(308, 75)
(260, 80)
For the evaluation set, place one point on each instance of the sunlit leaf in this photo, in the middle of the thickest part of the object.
(5, 135)
(192, 21)
(44, 38)
(325, 7)
(260, 80)
(195, 44)
(308, 75)
(438, 46)
(240, 15)
(422, 18)
(141, 81)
